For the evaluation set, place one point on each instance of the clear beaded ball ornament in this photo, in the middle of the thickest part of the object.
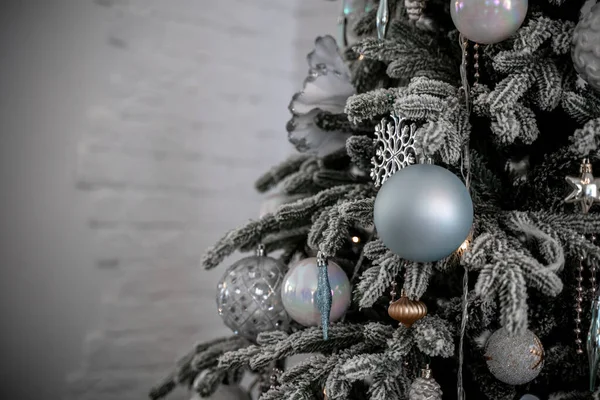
(249, 296)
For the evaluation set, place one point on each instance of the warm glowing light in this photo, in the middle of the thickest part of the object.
(465, 245)
(360, 57)
(355, 239)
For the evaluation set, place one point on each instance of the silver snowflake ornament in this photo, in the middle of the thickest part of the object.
(586, 188)
(394, 148)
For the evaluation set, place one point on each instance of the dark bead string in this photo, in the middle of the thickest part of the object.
(476, 62)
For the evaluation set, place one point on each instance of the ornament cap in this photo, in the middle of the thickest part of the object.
(586, 166)
(426, 372)
(260, 250)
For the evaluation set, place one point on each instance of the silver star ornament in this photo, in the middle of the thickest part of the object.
(586, 188)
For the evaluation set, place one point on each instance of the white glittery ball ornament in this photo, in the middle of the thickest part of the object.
(299, 292)
(487, 22)
(249, 296)
(586, 47)
(514, 360)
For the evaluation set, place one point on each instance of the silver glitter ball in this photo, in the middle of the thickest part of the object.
(514, 360)
(249, 297)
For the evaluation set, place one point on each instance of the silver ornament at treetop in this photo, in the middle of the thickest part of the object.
(487, 22)
(514, 360)
(249, 296)
(423, 213)
(586, 47)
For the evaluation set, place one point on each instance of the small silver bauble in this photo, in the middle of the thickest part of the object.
(299, 292)
(487, 22)
(249, 296)
(586, 47)
(423, 213)
(514, 360)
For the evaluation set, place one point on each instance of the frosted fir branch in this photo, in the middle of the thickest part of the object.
(336, 385)
(505, 126)
(208, 382)
(360, 367)
(365, 106)
(280, 239)
(303, 209)
(359, 211)
(509, 91)
(299, 183)
(581, 105)
(420, 107)
(432, 87)
(336, 233)
(366, 25)
(536, 32)
(203, 356)
(440, 137)
(309, 340)
(368, 75)
(508, 61)
(587, 139)
(434, 336)
(512, 297)
(386, 50)
(481, 313)
(406, 68)
(327, 178)
(408, 32)
(390, 381)
(318, 228)
(479, 97)
(377, 279)
(548, 247)
(279, 172)
(331, 228)
(548, 80)
(561, 41)
(416, 278)
(485, 185)
(375, 249)
(528, 128)
(361, 150)
(244, 236)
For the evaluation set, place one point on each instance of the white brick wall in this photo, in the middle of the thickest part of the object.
(197, 110)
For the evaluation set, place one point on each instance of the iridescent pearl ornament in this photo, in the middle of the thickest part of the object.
(299, 292)
(514, 359)
(423, 213)
(488, 21)
(249, 296)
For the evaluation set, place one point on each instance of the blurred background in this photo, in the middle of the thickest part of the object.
(131, 134)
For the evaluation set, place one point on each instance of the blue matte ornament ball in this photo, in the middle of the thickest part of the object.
(423, 213)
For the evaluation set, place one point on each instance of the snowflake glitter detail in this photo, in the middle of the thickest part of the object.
(395, 148)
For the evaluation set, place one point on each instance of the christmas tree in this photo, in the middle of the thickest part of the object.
(434, 235)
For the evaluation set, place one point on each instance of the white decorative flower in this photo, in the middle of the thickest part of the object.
(326, 88)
